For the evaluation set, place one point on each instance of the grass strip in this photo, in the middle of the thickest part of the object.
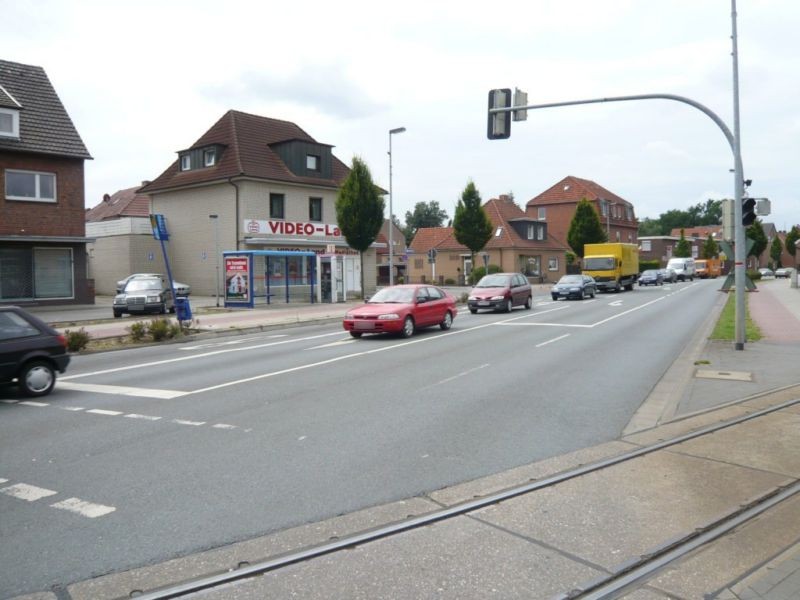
(726, 324)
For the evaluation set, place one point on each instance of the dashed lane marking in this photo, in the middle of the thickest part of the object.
(32, 403)
(192, 423)
(84, 508)
(143, 417)
(224, 426)
(561, 337)
(72, 408)
(121, 390)
(100, 411)
(23, 491)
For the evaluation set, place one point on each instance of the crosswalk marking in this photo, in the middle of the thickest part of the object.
(84, 508)
(120, 390)
(23, 491)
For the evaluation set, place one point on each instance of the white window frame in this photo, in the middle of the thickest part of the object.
(552, 263)
(38, 186)
(540, 232)
(316, 160)
(186, 162)
(647, 246)
(210, 157)
(14, 133)
(531, 231)
(541, 213)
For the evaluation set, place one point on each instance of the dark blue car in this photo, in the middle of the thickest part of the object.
(651, 277)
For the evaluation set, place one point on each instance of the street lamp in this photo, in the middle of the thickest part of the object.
(215, 218)
(391, 197)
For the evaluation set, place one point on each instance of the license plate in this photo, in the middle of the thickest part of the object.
(483, 303)
(364, 325)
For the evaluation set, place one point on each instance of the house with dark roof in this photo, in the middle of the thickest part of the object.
(123, 239)
(519, 243)
(42, 234)
(556, 207)
(272, 187)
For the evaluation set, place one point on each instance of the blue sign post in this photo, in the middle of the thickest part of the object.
(159, 225)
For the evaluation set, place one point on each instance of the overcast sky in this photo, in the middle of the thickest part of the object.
(144, 79)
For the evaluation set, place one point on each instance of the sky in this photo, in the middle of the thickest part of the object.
(142, 80)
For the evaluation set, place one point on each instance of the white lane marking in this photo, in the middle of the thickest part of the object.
(630, 310)
(32, 403)
(100, 411)
(334, 344)
(184, 422)
(224, 426)
(576, 325)
(196, 356)
(84, 508)
(615, 303)
(301, 438)
(462, 374)
(218, 344)
(561, 337)
(23, 491)
(3, 480)
(9, 401)
(121, 390)
(72, 408)
(142, 417)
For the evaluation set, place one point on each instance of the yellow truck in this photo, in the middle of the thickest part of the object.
(708, 267)
(613, 266)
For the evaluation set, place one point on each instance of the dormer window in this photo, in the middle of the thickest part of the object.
(186, 162)
(9, 122)
(210, 157)
(312, 162)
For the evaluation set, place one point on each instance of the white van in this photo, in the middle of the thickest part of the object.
(684, 268)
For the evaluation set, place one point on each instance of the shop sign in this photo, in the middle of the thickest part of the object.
(291, 228)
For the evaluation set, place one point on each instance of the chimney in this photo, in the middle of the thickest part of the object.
(145, 182)
(106, 197)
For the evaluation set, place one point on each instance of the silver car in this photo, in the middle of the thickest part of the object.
(181, 289)
(144, 295)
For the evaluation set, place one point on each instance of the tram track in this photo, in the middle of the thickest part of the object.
(612, 585)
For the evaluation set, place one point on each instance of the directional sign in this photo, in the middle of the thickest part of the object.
(159, 225)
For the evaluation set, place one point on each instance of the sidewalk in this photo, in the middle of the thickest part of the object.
(559, 538)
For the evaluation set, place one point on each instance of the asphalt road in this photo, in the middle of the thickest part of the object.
(147, 454)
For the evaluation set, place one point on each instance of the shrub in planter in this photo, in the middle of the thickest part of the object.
(160, 329)
(137, 330)
(77, 340)
(449, 281)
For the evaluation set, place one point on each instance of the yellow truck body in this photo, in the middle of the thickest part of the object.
(708, 267)
(613, 266)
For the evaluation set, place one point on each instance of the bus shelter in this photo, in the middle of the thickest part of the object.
(269, 276)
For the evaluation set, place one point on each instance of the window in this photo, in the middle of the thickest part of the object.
(540, 233)
(9, 122)
(646, 247)
(604, 208)
(315, 209)
(629, 213)
(29, 273)
(210, 157)
(542, 213)
(12, 326)
(312, 162)
(552, 263)
(617, 234)
(276, 202)
(531, 231)
(499, 232)
(28, 185)
(186, 162)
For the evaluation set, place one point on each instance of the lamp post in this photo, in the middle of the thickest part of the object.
(215, 218)
(391, 197)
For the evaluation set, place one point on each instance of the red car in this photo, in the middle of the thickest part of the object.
(402, 309)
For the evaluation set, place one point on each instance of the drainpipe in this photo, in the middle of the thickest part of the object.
(236, 228)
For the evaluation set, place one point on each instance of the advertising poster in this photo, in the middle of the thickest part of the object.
(237, 278)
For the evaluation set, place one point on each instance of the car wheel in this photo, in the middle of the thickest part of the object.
(555, 298)
(473, 310)
(356, 334)
(37, 378)
(509, 305)
(593, 294)
(529, 303)
(172, 309)
(117, 314)
(408, 327)
(447, 323)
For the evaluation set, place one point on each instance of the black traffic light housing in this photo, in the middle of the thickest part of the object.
(499, 124)
(748, 211)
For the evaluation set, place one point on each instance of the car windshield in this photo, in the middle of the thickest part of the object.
(139, 285)
(491, 281)
(650, 273)
(600, 263)
(570, 280)
(393, 295)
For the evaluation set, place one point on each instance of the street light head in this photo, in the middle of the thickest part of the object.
(397, 130)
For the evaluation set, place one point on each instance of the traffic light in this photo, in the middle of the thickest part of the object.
(748, 211)
(499, 124)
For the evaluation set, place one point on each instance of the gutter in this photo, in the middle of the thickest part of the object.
(236, 229)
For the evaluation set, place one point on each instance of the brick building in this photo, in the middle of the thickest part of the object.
(42, 233)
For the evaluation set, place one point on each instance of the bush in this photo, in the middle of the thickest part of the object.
(163, 329)
(449, 281)
(478, 272)
(644, 265)
(754, 275)
(138, 330)
(77, 340)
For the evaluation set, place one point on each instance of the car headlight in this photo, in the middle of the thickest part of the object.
(154, 298)
(472, 298)
(575, 289)
(497, 297)
(349, 316)
(389, 316)
(119, 300)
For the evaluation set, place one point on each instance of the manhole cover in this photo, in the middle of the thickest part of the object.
(729, 375)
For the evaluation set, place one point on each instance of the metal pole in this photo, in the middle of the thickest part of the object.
(215, 218)
(740, 250)
(391, 214)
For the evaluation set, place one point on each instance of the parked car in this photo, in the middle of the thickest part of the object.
(651, 277)
(574, 286)
(181, 289)
(668, 275)
(765, 272)
(783, 272)
(402, 309)
(144, 295)
(30, 352)
(501, 291)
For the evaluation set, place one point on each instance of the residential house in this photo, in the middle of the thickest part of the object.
(269, 183)
(124, 243)
(556, 207)
(42, 233)
(518, 244)
(398, 253)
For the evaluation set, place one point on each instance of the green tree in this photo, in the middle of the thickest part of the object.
(425, 214)
(585, 227)
(791, 238)
(359, 210)
(710, 248)
(775, 251)
(648, 226)
(471, 224)
(683, 248)
(756, 233)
